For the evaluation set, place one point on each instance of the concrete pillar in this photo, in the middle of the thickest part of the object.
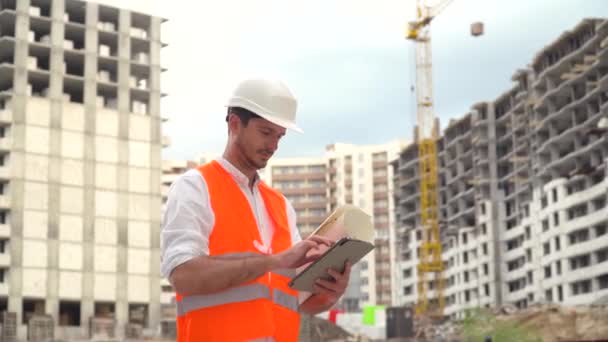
(155, 67)
(495, 222)
(155, 173)
(124, 106)
(87, 306)
(54, 193)
(19, 101)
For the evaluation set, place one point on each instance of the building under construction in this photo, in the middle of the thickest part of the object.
(523, 187)
(80, 147)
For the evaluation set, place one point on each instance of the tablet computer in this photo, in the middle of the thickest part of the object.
(345, 249)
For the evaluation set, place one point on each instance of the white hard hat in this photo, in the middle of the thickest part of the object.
(271, 100)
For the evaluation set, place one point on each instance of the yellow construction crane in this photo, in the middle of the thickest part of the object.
(430, 267)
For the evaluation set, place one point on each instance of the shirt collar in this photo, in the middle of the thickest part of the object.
(238, 176)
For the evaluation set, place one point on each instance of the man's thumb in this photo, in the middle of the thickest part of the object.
(309, 245)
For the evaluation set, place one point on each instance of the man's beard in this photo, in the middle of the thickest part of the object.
(251, 160)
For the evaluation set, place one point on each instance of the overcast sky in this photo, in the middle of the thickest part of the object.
(346, 61)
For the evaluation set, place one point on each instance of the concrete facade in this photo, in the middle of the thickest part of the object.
(523, 186)
(80, 112)
(362, 175)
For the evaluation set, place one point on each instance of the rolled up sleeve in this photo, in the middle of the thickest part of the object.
(187, 222)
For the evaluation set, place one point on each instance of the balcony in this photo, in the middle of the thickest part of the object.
(380, 195)
(380, 210)
(5, 201)
(381, 225)
(165, 141)
(311, 220)
(6, 116)
(383, 273)
(5, 260)
(320, 176)
(381, 179)
(167, 298)
(164, 189)
(309, 205)
(6, 79)
(5, 144)
(5, 231)
(169, 178)
(380, 163)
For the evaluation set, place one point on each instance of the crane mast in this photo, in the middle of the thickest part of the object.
(430, 267)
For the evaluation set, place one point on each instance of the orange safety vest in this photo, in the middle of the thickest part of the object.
(264, 309)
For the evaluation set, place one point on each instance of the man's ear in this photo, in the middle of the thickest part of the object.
(233, 122)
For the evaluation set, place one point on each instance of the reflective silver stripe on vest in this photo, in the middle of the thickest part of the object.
(285, 272)
(263, 339)
(232, 295)
(285, 300)
(180, 308)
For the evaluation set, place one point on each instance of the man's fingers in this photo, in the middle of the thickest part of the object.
(337, 275)
(344, 275)
(321, 240)
(341, 278)
(314, 255)
(311, 258)
(328, 284)
(320, 290)
(347, 267)
(309, 244)
(325, 286)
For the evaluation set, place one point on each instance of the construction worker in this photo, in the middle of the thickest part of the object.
(230, 243)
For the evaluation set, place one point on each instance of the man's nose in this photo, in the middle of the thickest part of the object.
(274, 144)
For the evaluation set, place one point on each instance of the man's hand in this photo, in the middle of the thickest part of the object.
(332, 290)
(302, 252)
(327, 293)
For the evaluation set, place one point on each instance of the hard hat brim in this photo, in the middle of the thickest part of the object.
(262, 112)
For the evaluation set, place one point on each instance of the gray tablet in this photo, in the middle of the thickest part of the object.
(335, 258)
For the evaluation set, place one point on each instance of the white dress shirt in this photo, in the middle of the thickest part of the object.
(189, 218)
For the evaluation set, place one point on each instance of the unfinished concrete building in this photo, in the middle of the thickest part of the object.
(466, 245)
(523, 186)
(570, 92)
(467, 241)
(362, 175)
(80, 166)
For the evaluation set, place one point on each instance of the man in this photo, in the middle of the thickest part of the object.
(230, 243)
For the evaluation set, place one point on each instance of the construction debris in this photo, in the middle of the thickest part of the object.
(314, 329)
(539, 322)
(555, 323)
